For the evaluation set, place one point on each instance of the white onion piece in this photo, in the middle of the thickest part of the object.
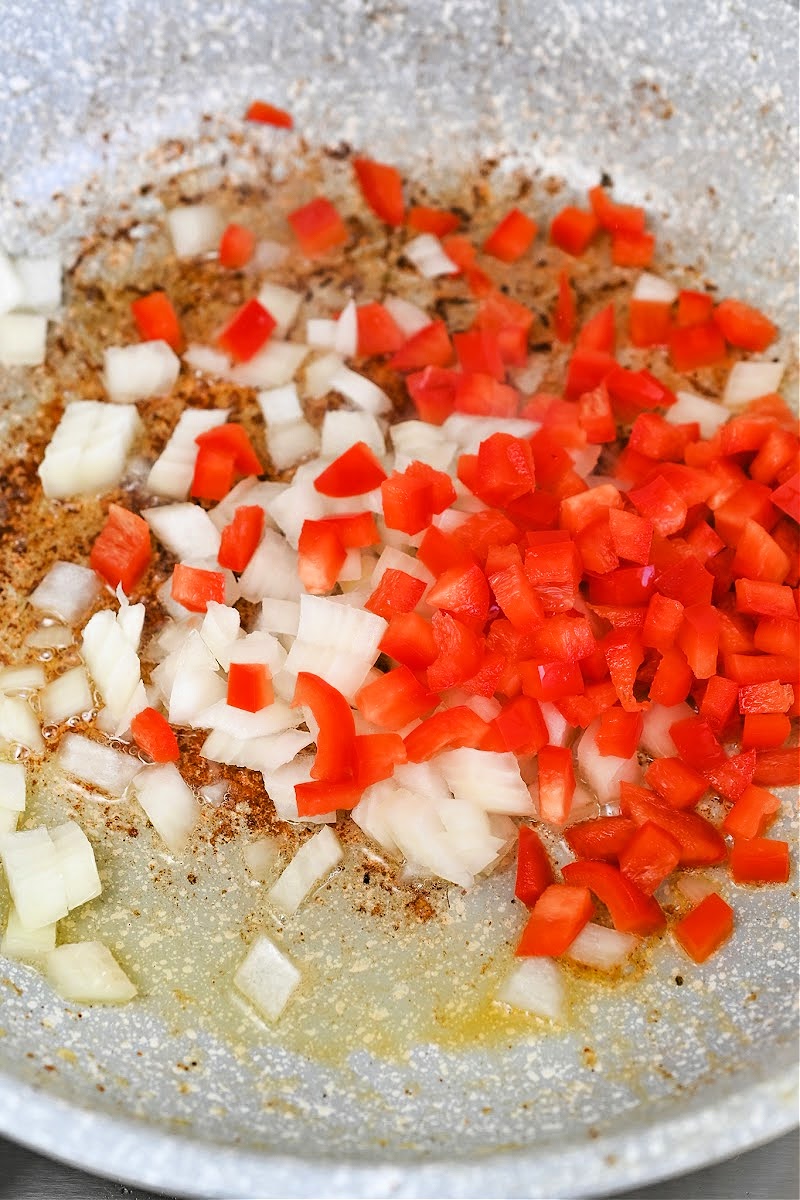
(257, 754)
(76, 863)
(468, 432)
(112, 661)
(654, 289)
(658, 719)
(207, 360)
(280, 405)
(423, 778)
(172, 472)
(214, 793)
(351, 635)
(67, 696)
(135, 372)
(273, 366)
(751, 379)
(272, 571)
(559, 730)
(118, 725)
(604, 772)
(195, 229)
(269, 254)
(469, 833)
(280, 785)
(34, 877)
(346, 342)
(342, 428)
(360, 391)
(23, 339)
(19, 724)
(369, 814)
(267, 978)
(13, 787)
(22, 679)
(259, 647)
(280, 617)
(194, 690)
(421, 442)
(350, 571)
(26, 945)
(296, 504)
(88, 973)
(189, 651)
(237, 723)
(186, 530)
(428, 256)
(250, 491)
(410, 317)
(11, 287)
(527, 378)
(536, 985)
(709, 414)
(321, 333)
(50, 637)
(602, 948)
(219, 630)
(87, 452)
(260, 857)
(319, 373)
(290, 444)
(94, 763)
(695, 887)
(67, 590)
(282, 304)
(396, 560)
(488, 779)
(416, 827)
(41, 282)
(170, 804)
(312, 863)
(8, 820)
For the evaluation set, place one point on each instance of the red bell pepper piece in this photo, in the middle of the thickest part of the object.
(377, 755)
(649, 857)
(482, 396)
(448, 730)
(194, 587)
(630, 909)
(268, 114)
(661, 504)
(600, 838)
(397, 592)
(770, 697)
(632, 249)
(232, 439)
(763, 731)
(236, 247)
(353, 473)
(672, 679)
(512, 237)
(521, 726)
(625, 218)
(701, 844)
(631, 535)
(705, 928)
(619, 732)
(787, 497)
(463, 592)
(213, 475)
(249, 686)
(557, 918)
(695, 346)
(572, 229)
(409, 640)
(752, 813)
(321, 556)
(596, 416)
(395, 699)
(556, 783)
(760, 860)
(382, 188)
(247, 331)
(378, 332)
(719, 702)
(407, 502)
(649, 322)
(429, 347)
(438, 221)
(460, 651)
(157, 320)
(317, 227)
(241, 537)
(599, 333)
(433, 391)
(534, 872)
(587, 369)
(516, 597)
(335, 760)
(679, 785)
(550, 680)
(152, 733)
(694, 308)
(765, 599)
(121, 552)
(565, 313)
(479, 350)
(778, 768)
(744, 326)
(323, 795)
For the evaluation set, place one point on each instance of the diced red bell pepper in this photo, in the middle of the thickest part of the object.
(321, 556)
(409, 640)
(236, 246)
(596, 416)
(619, 733)
(661, 504)
(267, 114)
(688, 581)
(678, 784)
(241, 537)
(599, 332)
(719, 702)
(587, 369)
(672, 680)
(649, 857)
(249, 686)
(318, 227)
(760, 860)
(157, 320)
(765, 731)
(433, 391)
(752, 813)
(448, 730)
(630, 909)
(632, 391)
(521, 726)
(478, 350)
(194, 587)
(554, 572)
(787, 497)
(322, 796)
(382, 188)
(463, 592)
(557, 918)
(516, 597)
(534, 872)
(395, 699)
(556, 783)
(397, 592)
(744, 326)
(572, 229)
(704, 541)
(121, 552)
(624, 655)
(632, 535)
(378, 332)
(353, 473)
(505, 469)
(751, 501)
(769, 697)
(485, 530)
(656, 438)
(625, 218)
(777, 453)
(460, 650)
(563, 638)
(628, 585)
(694, 346)
(335, 760)
(564, 316)
(232, 439)
(705, 928)
(509, 240)
(632, 249)
(429, 347)
(778, 768)
(407, 502)
(482, 396)
(247, 331)
(438, 221)
(649, 322)
(152, 733)
(438, 551)
(694, 308)
(771, 636)
(377, 755)
(762, 668)
(698, 638)
(602, 838)
(697, 743)
(758, 555)
(213, 473)
(701, 844)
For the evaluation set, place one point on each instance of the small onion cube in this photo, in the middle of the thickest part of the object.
(22, 679)
(33, 873)
(360, 391)
(282, 304)
(604, 772)
(186, 530)
(88, 450)
(342, 428)
(319, 373)
(195, 229)
(23, 339)
(709, 414)
(50, 637)
(602, 948)
(264, 754)
(88, 973)
(219, 630)
(267, 978)
(77, 863)
(280, 405)
(347, 331)
(135, 372)
(68, 591)
(290, 444)
(654, 289)
(207, 360)
(428, 256)
(312, 863)
(260, 857)
(19, 724)
(170, 804)
(536, 986)
(13, 786)
(171, 474)
(26, 945)
(490, 780)
(410, 317)
(41, 283)
(67, 696)
(321, 333)
(750, 379)
(279, 617)
(273, 366)
(97, 764)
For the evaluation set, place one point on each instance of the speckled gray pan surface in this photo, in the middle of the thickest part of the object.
(691, 106)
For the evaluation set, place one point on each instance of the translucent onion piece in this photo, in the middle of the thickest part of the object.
(135, 372)
(34, 878)
(13, 786)
(67, 591)
(195, 229)
(88, 973)
(272, 571)
(95, 763)
(282, 304)
(280, 405)
(41, 283)
(428, 256)
(170, 804)
(709, 414)
(77, 863)
(602, 948)
(26, 945)
(654, 289)
(312, 863)
(258, 754)
(23, 339)
(276, 364)
(536, 986)
(171, 474)
(750, 379)
(410, 317)
(67, 696)
(186, 530)
(19, 725)
(112, 661)
(490, 780)
(267, 978)
(22, 679)
(290, 444)
(342, 428)
(604, 772)
(260, 857)
(360, 391)
(658, 719)
(87, 452)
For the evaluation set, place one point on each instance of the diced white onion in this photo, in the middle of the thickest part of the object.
(280, 405)
(416, 827)
(559, 730)
(19, 724)
(658, 719)
(486, 778)
(41, 283)
(23, 338)
(260, 857)
(26, 945)
(250, 491)
(13, 786)
(257, 754)
(219, 630)
(267, 978)
(11, 287)
(351, 635)
(296, 504)
(427, 254)
(186, 530)
(67, 591)
(195, 229)
(214, 794)
(709, 414)
(67, 696)
(207, 360)
(604, 772)
(172, 472)
(87, 452)
(280, 785)
(279, 617)
(50, 637)
(468, 432)
(135, 372)
(194, 689)
(272, 571)
(312, 863)
(259, 647)
(318, 375)
(370, 814)
(8, 820)
(22, 679)
(695, 887)
(536, 985)
(602, 948)
(527, 378)
(269, 254)
(342, 428)
(654, 289)
(360, 391)
(34, 877)
(88, 973)
(421, 441)
(321, 333)
(112, 661)
(346, 342)
(392, 559)
(76, 863)
(748, 380)
(95, 763)
(237, 723)
(282, 304)
(170, 804)
(290, 444)
(410, 317)
(273, 366)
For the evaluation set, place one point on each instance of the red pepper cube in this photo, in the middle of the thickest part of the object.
(323, 796)
(572, 229)
(596, 416)
(661, 504)
(672, 680)
(587, 369)
(649, 322)
(335, 760)
(694, 308)
(599, 332)
(631, 911)
(751, 813)
(382, 188)
(695, 346)
(602, 838)
(557, 918)
(619, 733)
(320, 556)
(509, 240)
(624, 655)
(213, 474)
(521, 726)
(157, 320)
(236, 247)
(429, 347)
(378, 332)
(698, 638)
(395, 699)
(442, 488)
(233, 440)
(247, 331)
(121, 552)
(438, 221)
(240, 538)
(564, 316)
(650, 857)
(433, 392)
(631, 535)
(318, 227)
(534, 872)
(407, 503)
(447, 730)
(679, 785)
(787, 497)
(194, 587)
(463, 592)
(760, 860)
(719, 702)
(397, 592)
(758, 556)
(765, 731)
(249, 686)
(152, 733)
(556, 783)
(459, 652)
(632, 391)
(632, 249)
(479, 350)
(771, 696)
(353, 473)
(696, 743)
(554, 572)
(505, 469)
(705, 928)
(744, 326)
(267, 114)
(482, 396)
(701, 844)
(624, 218)
(409, 640)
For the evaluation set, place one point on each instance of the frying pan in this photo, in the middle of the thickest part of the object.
(690, 108)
